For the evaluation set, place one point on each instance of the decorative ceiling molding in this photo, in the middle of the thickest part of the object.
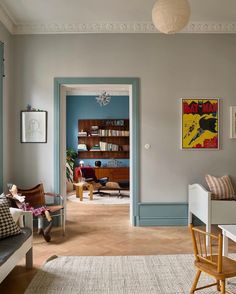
(7, 20)
(111, 27)
(211, 27)
(108, 27)
(120, 27)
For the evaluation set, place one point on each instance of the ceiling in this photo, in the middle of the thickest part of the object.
(121, 16)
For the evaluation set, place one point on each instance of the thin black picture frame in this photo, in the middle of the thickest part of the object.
(33, 126)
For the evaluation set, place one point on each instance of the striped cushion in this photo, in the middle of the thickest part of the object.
(221, 188)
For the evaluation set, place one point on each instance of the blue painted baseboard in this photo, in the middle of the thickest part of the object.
(162, 214)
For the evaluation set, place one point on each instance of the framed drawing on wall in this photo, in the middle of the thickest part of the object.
(233, 122)
(200, 124)
(34, 126)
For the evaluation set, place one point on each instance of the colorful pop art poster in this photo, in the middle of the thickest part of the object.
(200, 123)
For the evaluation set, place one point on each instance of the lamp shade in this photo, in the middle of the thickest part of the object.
(170, 16)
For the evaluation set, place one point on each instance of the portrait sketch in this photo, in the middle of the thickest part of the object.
(33, 126)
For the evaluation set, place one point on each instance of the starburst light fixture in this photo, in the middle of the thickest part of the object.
(170, 16)
(103, 99)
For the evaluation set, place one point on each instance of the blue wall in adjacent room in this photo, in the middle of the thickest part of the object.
(86, 107)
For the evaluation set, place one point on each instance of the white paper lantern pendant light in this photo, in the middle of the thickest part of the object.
(170, 16)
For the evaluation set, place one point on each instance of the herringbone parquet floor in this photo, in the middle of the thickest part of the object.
(100, 230)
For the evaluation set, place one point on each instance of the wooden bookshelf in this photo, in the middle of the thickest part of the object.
(113, 133)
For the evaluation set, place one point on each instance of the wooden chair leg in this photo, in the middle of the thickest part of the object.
(81, 193)
(90, 187)
(218, 285)
(40, 223)
(29, 259)
(222, 286)
(63, 220)
(194, 286)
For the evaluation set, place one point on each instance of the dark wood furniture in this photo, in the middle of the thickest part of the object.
(102, 179)
(113, 133)
(115, 174)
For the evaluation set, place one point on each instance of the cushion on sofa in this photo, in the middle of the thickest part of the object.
(9, 245)
(221, 188)
(17, 216)
(7, 225)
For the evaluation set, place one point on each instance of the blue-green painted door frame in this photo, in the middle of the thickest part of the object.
(1, 114)
(134, 82)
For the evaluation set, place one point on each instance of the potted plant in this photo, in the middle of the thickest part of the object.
(71, 155)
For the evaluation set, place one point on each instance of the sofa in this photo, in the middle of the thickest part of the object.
(14, 248)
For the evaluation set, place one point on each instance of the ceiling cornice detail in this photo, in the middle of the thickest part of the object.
(211, 27)
(73, 28)
(7, 21)
(108, 27)
(120, 27)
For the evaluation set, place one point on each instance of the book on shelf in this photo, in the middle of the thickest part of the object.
(82, 147)
(112, 133)
(95, 147)
(94, 133)
(117, 122)
(104, 146)
(82, 134)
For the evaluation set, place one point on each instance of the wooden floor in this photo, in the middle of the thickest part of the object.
(100, 230)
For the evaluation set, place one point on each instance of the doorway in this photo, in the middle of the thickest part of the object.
(61, 86)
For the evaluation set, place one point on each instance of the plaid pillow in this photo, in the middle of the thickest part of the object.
(7, 225)
(221, 188)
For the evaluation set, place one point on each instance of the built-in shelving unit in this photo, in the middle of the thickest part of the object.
(103, 138)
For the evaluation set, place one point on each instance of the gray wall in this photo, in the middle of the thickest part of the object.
(6, 38)
(169, 67)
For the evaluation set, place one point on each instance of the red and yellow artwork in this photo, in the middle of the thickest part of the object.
(200, 129)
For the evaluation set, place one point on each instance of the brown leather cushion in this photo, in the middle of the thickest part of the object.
(34, 196)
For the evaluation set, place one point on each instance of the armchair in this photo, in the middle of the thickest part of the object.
(35, 197)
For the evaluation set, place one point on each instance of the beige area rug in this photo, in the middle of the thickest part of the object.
(113, 199)
(159, 274)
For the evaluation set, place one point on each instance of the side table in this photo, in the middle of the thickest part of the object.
(79, 187)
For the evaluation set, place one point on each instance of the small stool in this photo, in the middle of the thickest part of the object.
(79, 187)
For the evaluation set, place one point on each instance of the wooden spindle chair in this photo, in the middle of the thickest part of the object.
(209, 259)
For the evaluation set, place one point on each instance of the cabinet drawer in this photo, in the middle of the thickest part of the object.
(120, 174)
(114, 174)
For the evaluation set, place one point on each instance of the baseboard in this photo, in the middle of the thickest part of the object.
(162, 214)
